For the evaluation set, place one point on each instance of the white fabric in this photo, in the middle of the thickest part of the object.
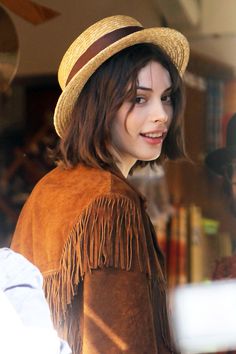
(25, 322)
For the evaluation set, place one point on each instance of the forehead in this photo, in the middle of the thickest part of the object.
(154, 74)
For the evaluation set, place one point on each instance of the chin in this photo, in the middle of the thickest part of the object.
(149, 157)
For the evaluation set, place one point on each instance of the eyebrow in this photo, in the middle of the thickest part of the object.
(144, 88)
(169, 89)
(150, 89)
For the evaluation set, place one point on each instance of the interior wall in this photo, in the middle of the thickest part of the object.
(220, 21)
(42, 46)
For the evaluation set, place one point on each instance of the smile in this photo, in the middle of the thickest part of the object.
(153, 135)
(154, 138)
(157, 134)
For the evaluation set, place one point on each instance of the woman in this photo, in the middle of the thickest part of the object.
(84, 226)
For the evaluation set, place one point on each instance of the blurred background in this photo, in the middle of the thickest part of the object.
(189, 205)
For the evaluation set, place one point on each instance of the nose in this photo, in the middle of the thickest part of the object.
(160, 112)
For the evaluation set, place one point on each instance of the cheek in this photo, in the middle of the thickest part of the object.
(132, 123)
(121, 120)
(118, 131)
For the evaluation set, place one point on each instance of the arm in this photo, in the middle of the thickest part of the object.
(117, 313)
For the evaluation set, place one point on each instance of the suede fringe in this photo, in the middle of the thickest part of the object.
(108, 233)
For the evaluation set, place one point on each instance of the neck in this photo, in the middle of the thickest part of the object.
(123, 169)
(123, 164)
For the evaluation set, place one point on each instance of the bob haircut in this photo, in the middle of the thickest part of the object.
(87, 138)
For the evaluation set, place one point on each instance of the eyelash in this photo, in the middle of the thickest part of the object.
(167, 98)
(140, 98)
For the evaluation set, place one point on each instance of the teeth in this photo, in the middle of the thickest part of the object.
(153, 135)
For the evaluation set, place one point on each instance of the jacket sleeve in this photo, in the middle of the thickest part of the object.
(118, 316)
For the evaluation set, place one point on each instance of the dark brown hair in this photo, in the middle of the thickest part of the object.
(87, 138)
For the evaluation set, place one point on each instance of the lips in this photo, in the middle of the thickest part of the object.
(154, 134)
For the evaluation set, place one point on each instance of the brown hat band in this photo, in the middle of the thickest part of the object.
(99, 45)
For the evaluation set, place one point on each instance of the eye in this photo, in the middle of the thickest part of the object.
(140, 100)
(167, 99)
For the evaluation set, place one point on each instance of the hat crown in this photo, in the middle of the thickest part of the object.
(87, 38)
(231, 132)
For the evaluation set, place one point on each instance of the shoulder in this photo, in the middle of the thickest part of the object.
(79, 177)
(16, 270)
(87, 182)
(112, 190)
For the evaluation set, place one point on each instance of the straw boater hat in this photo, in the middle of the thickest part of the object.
(218, 159)
(97, 44)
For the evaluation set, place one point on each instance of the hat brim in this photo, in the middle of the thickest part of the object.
(172, 42)
(216, 160)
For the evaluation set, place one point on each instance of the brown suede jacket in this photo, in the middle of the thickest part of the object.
(88, 232)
